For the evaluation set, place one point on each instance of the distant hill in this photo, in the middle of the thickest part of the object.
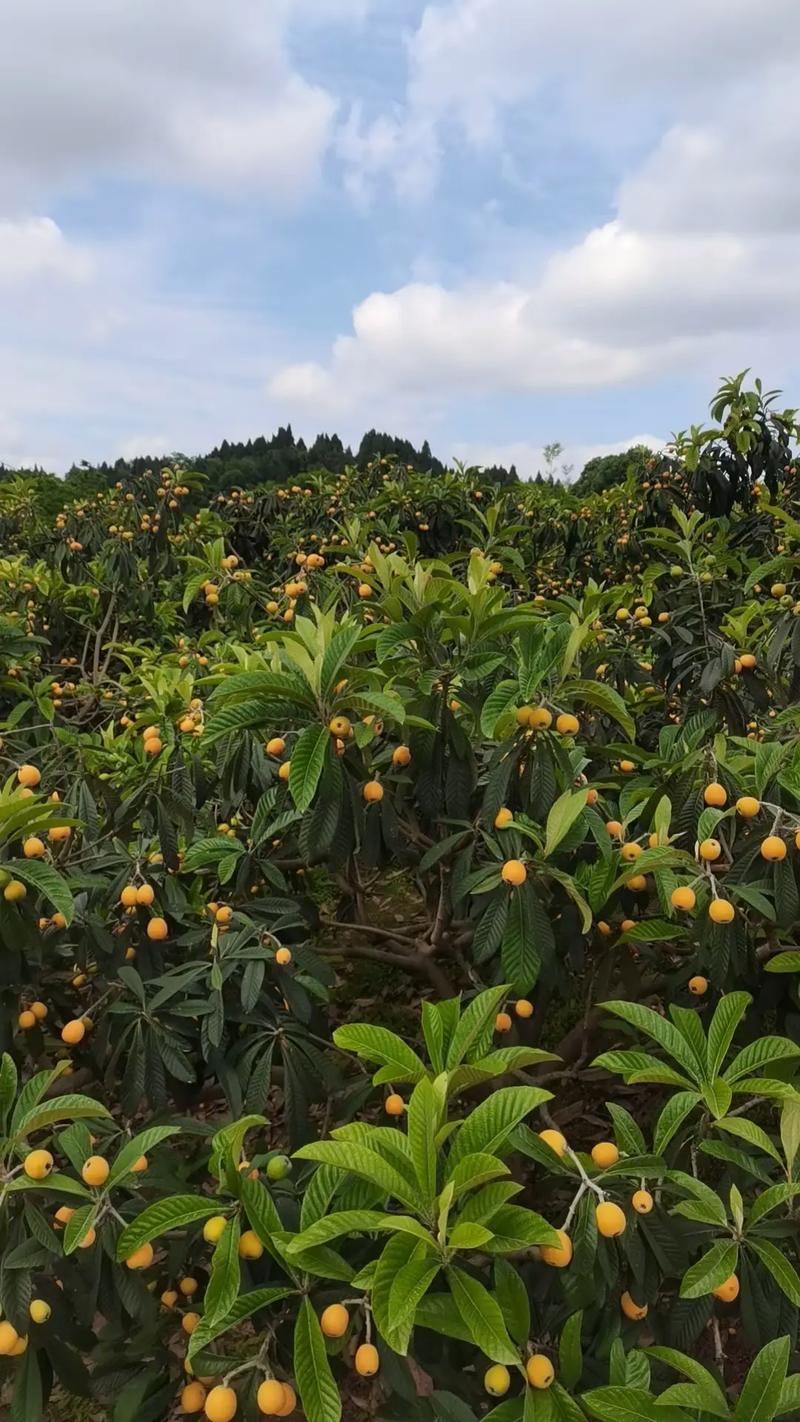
(279, 459)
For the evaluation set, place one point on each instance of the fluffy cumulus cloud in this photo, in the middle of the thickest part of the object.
(429, 132)
(93, 353)
(695, 266)
(35, 248)
(121, 113)
(479, 62)
(425, 338)
(191, 92)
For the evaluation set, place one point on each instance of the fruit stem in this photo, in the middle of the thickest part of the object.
(573, 1207)
(587, 1183)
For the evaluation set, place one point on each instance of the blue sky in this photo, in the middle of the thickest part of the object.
(491, 223)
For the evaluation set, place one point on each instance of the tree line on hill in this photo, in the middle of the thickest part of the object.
(284, 459)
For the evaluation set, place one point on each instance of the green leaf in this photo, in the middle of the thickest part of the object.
(378, 1044)
(771, 1089)
(659, 1029)
(515, 1228)
(769, 1200)
(46, 881)
(487, 1129)
(474, 1170)
(519, 953)
(499, 1062)
(482, 1316)
(789, 1400)
(700, 1211)
(78, 1226)
(32, 1093)
(261, 1212)
(442, 848)
(226, 1143)
(728, 1014)
(439, 1313)
(748, 1131)
(356, 1222)
(139, 1145)
(8, 1086)
(672, 1117)
(336, 653)
(692, 1397)
(512, 1296)
(193, 587)
(241, 715)
(161, 1216)
(497, 703)
(409, 1286)
(424, 1117)
(570, 888)
(63, 1184)
(307, 760)
(467, 1234)
(779, 1266)
(382, 703)
(713, 1396)
(72, 1107)
(223, 1285)
(788, 962)
(322, 1262)
(715, 1266)
(717, 1096)
(790, 1132)
(759, 1399)
(482, 1206)
(606, 700)
(474, 1025)
(398, 1250)
(27, 1402)
(367, 1164)
(570, 1352)
(562, 816)
(763, 1052)
(211, 851)
(433, 1032)
(640, 1066)
(691, 1029)
(315, 1384)
(628, 1404)
(567, 1409)
(698, 1190)
(244, 1307)
(281, 685)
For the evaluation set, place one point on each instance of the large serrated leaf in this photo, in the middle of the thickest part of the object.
(378, 1044)
(482, 1316)
(367, 1164)
(315, 1383)
(305, 769)
(161, 1216)
(46, 881)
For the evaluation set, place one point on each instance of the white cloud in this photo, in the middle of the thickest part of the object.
(407, 147)
(35, 248)
(193, 91)
(476, 63)
(138, 445)
(697, 267)
(424, 338)
(105, 364)
(693, 265)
